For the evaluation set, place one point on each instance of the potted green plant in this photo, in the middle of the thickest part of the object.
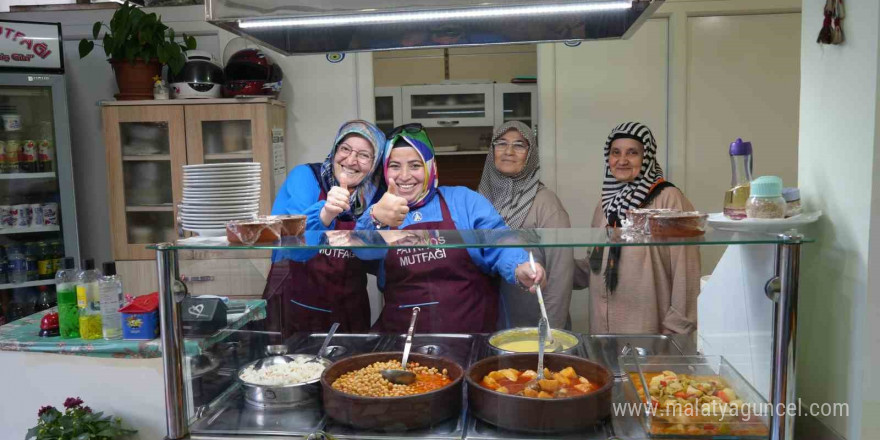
(77, 422)
(137, 44)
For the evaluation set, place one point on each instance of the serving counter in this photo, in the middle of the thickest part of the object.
(223, 413)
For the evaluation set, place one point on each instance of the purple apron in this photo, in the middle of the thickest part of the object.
(309, 297)
(454, 295)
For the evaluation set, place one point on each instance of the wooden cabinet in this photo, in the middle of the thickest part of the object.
(148, 142)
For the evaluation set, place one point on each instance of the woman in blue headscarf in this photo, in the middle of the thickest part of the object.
(331, 285)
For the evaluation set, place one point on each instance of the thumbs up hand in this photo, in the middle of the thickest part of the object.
(337, 203)
(391, 209)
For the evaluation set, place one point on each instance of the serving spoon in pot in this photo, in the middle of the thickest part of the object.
(317, 358)
(403, 377)
(553, 344)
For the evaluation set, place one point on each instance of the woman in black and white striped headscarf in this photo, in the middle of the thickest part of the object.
(511, 181)
(639, 289)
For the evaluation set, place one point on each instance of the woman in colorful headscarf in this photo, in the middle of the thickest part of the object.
(333, 195)
(453, 287)
(649, 289)
(511, 181)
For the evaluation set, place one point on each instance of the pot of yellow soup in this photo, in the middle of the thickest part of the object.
(525, 340)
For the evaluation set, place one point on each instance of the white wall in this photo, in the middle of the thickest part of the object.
(838, 345)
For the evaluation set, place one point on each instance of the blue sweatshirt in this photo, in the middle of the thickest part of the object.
(469, 210)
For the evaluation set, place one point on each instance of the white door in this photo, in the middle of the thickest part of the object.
(516, 102)
(389, 108)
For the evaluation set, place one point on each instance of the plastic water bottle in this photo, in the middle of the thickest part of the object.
(110, 287)
(65, 288)
(88, 299)
(17, 265)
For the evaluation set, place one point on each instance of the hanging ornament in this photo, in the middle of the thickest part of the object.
(825, 35)
(839, 14)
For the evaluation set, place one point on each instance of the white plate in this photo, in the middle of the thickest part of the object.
(206, 225)
(219, 208)
(226, 165)
(207, 188)
(214, 216)
(228, 192)
(232, 203)
(719, 221)
(207, 232)
(245, 200)
(222, 184)
(229, 176)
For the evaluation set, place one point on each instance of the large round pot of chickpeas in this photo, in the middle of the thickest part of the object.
(505, 391)
(356, 394)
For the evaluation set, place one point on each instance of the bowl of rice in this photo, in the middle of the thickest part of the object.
(280, 385)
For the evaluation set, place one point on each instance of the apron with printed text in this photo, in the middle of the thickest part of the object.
(453, 294)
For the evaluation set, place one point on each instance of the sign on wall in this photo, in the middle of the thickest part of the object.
(30, 46)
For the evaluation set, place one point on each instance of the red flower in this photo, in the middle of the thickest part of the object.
(44, 410)
(87, 409)
(72, 402)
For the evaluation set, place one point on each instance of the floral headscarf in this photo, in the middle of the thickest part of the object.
(368, 187)
(512, 196)
(426, 152)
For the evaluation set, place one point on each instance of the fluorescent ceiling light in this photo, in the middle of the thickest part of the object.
(433, 16)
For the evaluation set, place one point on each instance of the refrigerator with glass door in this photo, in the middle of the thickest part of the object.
(37, 206)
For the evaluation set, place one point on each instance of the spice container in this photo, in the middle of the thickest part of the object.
(677, 224)
(765, 199)
(792, 198)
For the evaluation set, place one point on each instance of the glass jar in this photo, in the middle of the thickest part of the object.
(765, 199)
(792, 198)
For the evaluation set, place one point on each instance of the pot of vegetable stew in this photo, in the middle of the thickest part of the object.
(562, 407)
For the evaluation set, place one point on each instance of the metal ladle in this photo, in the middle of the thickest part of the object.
(403, 377)
(553, 344)
(317, 358)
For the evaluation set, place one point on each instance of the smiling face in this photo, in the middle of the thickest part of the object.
(353, 160)
(510, 156)
(625, 159)
(407, 170)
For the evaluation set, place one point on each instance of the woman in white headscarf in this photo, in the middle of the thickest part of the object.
(511, 181)
(651, 289)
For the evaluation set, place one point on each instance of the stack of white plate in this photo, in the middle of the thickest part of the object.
(215, 193)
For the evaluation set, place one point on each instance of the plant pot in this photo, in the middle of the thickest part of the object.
(135, 80)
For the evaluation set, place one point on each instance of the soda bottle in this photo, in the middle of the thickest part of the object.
(44, 156)
(110, 287)
(4, 266)
(45, 301)
(27, 162)
(88, 300)
(65, 290)
(57, 255)
(13, 150)
(32, 255)
(45, 262)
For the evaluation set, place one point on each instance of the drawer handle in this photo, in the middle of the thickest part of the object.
(203, 278)
(447, 122)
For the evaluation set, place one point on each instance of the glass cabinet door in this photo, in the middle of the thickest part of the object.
(231, 133)
(145, 152)
(388, 108)
(449, 105)
(516, 102)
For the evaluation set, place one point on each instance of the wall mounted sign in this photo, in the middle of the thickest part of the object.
(31, 46)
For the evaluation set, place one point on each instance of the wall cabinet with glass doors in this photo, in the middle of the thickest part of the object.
(148, 142)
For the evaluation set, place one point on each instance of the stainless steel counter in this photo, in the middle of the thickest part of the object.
(230, 417)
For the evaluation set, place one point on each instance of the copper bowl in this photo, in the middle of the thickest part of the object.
(258, 230)
(540, 416)
(392, 413)
(291, 224)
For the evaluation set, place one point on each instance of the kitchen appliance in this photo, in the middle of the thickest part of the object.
(250, 72)
(302, 27)
(203, 316)
(33, 104)
(200, 77)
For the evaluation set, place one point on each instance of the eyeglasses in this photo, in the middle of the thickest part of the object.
(518, 147)
(414, 127)
(362, 156)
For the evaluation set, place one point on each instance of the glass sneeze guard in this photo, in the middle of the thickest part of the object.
(488, 238)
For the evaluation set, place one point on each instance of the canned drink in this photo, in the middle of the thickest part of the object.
(10, 159)
(20, 216)
(36, 217)
(50, 213)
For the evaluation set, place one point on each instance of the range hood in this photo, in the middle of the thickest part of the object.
(321, 26)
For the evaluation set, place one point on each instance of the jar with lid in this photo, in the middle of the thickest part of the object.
(792, 198)
(765, 198)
